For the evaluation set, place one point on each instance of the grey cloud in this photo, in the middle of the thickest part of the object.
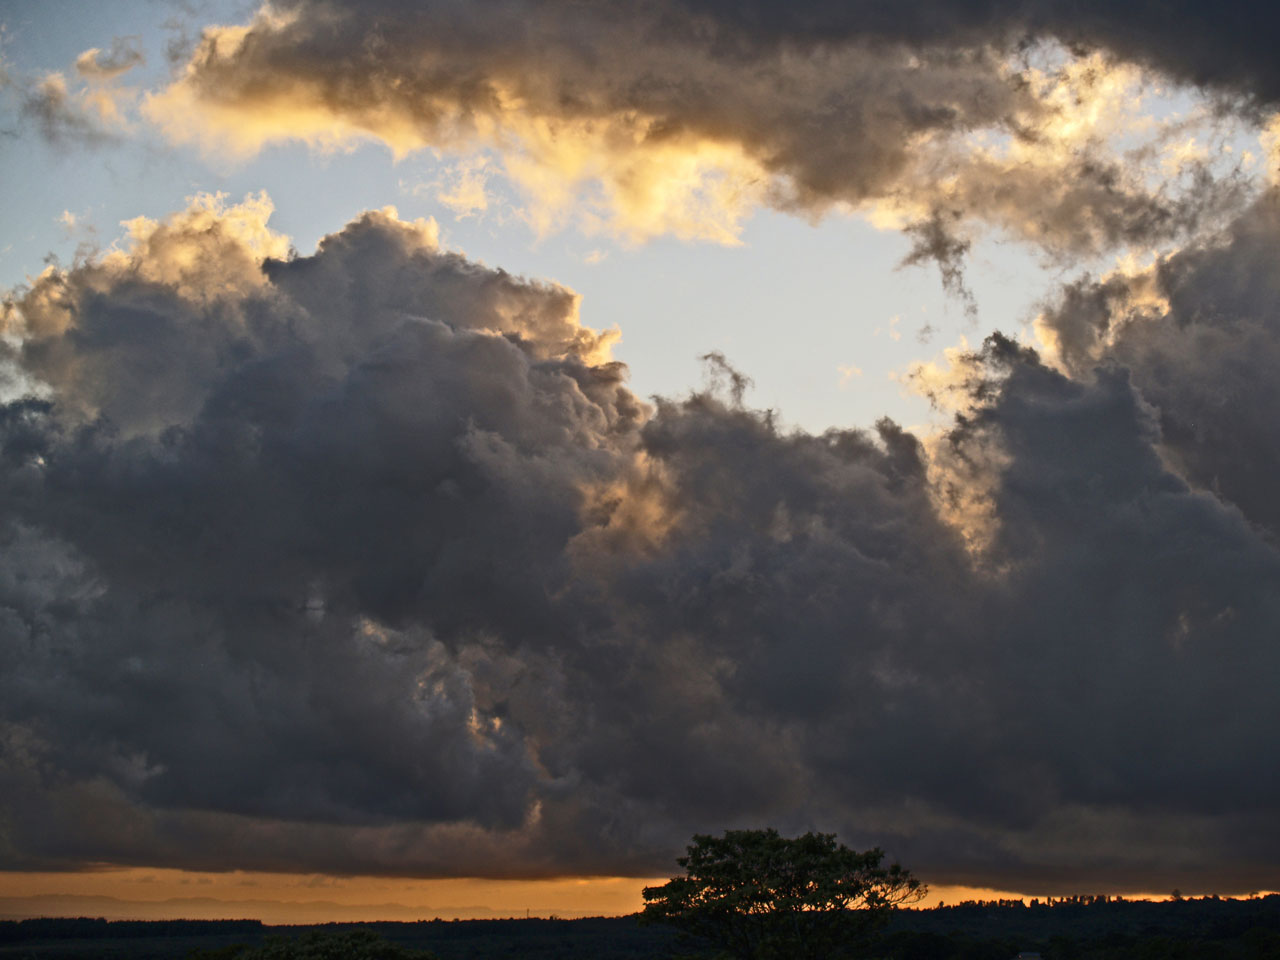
(123, 55)
(934, 239)
(58, 117)
(87, 112)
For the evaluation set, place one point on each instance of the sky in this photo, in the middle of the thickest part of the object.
(451, 454)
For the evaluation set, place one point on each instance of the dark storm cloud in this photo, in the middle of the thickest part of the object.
(368, 561)
(1024, 713)
(1133, 603)
(1222, 45)
(1199, 333)
(283, 482)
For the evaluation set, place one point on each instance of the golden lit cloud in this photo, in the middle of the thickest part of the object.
(1083, 168)
(1050, 147)
(615, 175)
(168, 252)
(1133, 295)
(464, 191)
(628, 515)
(1271, 149)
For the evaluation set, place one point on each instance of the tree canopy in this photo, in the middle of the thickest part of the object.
(759, 895)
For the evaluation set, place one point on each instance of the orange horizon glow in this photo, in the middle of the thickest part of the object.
(140, 893)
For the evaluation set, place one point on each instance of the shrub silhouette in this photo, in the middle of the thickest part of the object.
(761, 896)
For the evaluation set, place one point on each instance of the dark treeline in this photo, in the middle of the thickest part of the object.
(1090, 928)
(1081, 917)
(95, 928)
(1084, 928)
(594, 938)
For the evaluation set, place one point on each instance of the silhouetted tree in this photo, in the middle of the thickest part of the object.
(761, 896)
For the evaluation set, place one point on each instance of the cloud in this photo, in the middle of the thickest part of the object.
(124, 55)
(933, 239)
(847, 372)
(1219, 48)
(465, 194)
(191, 344)
(1198, 331)
(367, 561)
(61, 116)
(640, 120)
(90, 112)
(1132, 603)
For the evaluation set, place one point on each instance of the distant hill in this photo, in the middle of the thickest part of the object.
(1082, 929)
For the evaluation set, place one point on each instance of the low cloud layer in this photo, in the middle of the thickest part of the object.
(368, 561)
